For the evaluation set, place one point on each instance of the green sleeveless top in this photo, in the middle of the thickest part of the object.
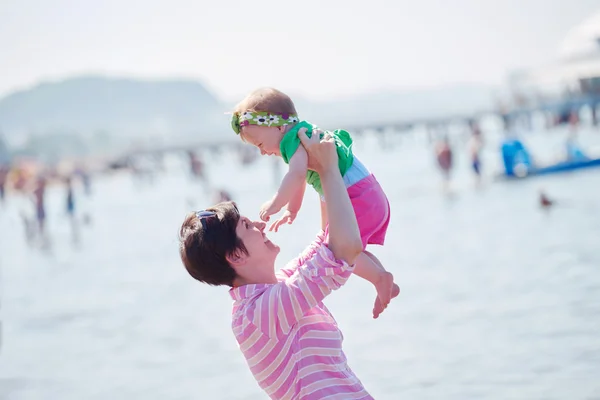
(290, 142)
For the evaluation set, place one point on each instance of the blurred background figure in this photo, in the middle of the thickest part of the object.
(86, 180)
(70, 209)
(196, 165)
(443, 155)
(39, 201)
(544, 201)
(247, 155)
(70, 198)
(221, 195)
(4, 170)
(198, 169)
(573, 149)
(475, 145)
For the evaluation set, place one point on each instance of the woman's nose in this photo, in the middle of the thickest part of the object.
(260, 225)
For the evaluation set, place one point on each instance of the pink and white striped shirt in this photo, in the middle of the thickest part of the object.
(290, 340)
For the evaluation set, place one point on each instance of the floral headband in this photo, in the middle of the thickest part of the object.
(238, 120)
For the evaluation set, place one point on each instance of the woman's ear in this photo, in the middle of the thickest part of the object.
(237, 259)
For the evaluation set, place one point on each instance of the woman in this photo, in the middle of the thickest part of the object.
(290, 340)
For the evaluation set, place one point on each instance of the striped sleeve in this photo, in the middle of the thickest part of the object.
(306, 255)
(278, 309)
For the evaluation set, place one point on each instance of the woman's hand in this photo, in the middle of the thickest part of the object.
(322, 154)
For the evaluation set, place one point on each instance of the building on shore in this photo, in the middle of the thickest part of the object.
(567, 85)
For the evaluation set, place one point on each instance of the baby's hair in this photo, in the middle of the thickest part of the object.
(265, 100)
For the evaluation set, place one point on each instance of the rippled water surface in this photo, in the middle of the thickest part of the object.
(500, 300)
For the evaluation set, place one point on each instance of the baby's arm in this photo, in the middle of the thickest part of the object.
(296, 201)
(290, 186)
(292, 209)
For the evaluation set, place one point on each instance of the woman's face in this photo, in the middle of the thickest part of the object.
(260, 249)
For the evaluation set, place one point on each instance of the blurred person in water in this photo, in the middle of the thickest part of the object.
(443, 154)
(475, 146)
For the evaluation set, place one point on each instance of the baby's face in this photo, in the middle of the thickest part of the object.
(266, 138)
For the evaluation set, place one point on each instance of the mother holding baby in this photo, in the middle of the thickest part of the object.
(290, 340)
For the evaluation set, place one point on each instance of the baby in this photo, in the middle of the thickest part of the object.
(267, 119)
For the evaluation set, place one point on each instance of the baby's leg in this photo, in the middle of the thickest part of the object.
(370, 268)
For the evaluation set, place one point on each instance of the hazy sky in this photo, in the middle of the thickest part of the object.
(319, 49)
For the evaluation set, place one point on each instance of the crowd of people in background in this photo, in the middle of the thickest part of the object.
(32, 186)
(31, 181)
(445, 157)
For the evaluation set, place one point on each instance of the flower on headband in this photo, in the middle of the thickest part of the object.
(293, 120)
(246, 116)
(261, 120)
(273, 119)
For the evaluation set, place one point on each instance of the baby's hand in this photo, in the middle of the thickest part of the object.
(266, 210)
(287, 218)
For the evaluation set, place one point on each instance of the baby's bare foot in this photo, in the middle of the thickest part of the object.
(378, 307)
(384, 288)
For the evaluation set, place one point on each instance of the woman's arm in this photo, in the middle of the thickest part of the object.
(278, 309)
(344, 236)
(308, 253)
(323, 215)
(281, 306)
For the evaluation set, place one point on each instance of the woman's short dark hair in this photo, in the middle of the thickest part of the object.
(203, 251)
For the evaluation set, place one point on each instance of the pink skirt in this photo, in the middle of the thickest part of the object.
(372, 210)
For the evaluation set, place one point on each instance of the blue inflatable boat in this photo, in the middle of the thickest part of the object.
(518, 163)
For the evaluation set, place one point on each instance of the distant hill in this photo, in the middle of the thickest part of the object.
(119, 106)
(132, 109)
